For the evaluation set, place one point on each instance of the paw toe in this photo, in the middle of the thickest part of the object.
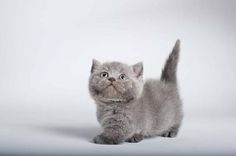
(135, 138)
(170, 134)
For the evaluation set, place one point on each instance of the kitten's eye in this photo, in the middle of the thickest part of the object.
(123, 77)
(104, 74)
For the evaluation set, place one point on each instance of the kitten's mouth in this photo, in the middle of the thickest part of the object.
(113, 86)
(115, 98)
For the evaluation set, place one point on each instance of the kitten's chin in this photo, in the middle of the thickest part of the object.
(113, 94)
(113, 100)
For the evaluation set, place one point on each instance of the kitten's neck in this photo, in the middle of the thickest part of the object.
(116, 105)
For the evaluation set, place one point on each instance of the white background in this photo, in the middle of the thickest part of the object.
(46, 50)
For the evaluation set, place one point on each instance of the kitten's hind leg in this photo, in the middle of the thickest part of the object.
(135, 138)
(172, 132)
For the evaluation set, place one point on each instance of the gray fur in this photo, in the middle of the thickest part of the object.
(169, 71)
(130, 110)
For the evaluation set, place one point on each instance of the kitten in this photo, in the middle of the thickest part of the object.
(129, 109)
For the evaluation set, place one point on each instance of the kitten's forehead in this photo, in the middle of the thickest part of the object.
(116, 66)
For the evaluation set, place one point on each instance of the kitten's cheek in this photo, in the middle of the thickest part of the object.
(121, 87)
(96, 90)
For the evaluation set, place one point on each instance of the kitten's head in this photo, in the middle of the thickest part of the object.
(115, 82)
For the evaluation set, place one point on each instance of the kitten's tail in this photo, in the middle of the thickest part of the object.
(169, 70)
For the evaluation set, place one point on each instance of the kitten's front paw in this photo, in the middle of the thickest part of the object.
(135, 138)
(100, 139)
(172, 132)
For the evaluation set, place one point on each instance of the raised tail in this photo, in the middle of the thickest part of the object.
(170, 68)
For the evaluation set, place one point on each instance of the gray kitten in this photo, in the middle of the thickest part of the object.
(129, 109)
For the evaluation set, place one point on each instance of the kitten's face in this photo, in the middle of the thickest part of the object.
(115, 82)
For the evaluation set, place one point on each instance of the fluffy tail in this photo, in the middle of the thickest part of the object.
(169, 70)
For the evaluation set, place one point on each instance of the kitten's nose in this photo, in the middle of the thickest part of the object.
(112, 79)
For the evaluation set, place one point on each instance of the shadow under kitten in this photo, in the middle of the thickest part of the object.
(85, 132)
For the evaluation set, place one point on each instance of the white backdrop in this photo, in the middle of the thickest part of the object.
(46, 50)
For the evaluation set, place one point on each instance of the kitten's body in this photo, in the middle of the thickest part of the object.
(131, 110)
(158, 110)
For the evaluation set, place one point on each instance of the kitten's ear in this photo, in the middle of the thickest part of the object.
(95, 65)
(138, 69)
